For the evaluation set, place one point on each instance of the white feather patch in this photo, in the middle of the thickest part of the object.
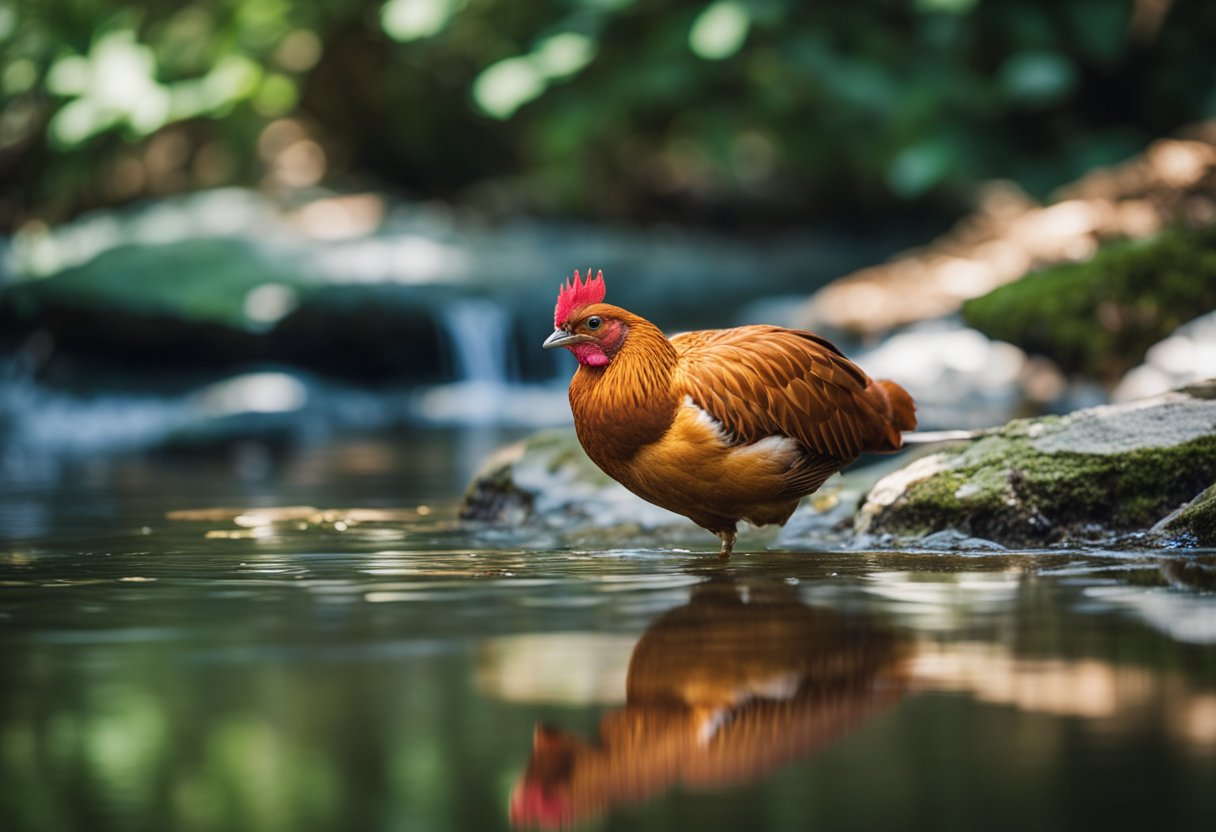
(777, 448)
(703, 419)
(780, 449)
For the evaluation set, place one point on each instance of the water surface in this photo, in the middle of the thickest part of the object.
(268, 640)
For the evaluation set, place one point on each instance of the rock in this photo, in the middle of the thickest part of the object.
(958, 377)
(952, 540)
(187, 298)
(1170, 183)
(221, 302)
(1092, 476)
(1186, 356)
(1194, 524)
(546, 482)
(1099, 318)
(825, 518)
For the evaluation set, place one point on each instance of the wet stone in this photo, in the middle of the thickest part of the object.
(546, 482)
(1091, 477)
(1194, 524)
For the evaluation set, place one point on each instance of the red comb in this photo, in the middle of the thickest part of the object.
(574, 294)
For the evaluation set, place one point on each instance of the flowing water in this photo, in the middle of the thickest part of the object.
(308, 639)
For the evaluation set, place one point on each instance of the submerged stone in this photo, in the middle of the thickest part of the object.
(1091, 476)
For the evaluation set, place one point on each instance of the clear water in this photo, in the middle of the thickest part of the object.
(309, 640)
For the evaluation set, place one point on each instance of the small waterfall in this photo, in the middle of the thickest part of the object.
(479, 335)
(490, 387)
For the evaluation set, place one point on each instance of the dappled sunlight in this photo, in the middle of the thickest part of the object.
(39, 251)
(407, 20)
(253, 393)
(269, 303)
(293, 158)
(342, 217)
(945, 602)
(403, 259)
(274, 524)
(509, 84)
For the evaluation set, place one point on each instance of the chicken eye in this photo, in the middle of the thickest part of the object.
(594, 322)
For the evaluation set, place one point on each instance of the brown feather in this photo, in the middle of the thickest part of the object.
(823, 400)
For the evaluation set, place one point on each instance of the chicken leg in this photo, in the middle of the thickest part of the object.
(728, 544)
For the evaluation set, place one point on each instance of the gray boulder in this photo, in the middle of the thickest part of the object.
(1093, 476)
(546, 482)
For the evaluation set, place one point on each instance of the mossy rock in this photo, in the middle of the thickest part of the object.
(1194, 524)
(1091, 476)
(186, 298)
(1098, 318)
(200, 281)
(190, 299)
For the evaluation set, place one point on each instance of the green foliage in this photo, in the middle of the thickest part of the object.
(1098, 318)
(724, 109)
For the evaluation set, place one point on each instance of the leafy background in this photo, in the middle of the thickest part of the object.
(730, 112)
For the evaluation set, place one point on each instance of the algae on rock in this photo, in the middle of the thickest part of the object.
(1090, 476)
(1194, 524)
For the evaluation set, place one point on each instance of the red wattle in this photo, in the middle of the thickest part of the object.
(589, 354)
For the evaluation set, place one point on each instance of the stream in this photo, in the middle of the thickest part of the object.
(306, 637)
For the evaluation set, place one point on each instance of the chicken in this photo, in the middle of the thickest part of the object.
(718, 425)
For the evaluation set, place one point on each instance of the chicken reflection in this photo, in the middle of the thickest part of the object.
(720, 691)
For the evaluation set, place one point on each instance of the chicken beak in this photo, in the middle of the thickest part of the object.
(561, 338)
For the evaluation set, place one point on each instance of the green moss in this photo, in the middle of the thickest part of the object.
(1101, 316)
(1196, 523)
(205, 280)
(1002, 489)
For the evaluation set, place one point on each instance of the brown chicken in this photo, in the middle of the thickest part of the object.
(718, 425)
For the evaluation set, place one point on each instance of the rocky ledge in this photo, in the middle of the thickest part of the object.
(1095, 476)
(545, 483)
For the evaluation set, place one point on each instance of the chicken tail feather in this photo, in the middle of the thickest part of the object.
(903, 409)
